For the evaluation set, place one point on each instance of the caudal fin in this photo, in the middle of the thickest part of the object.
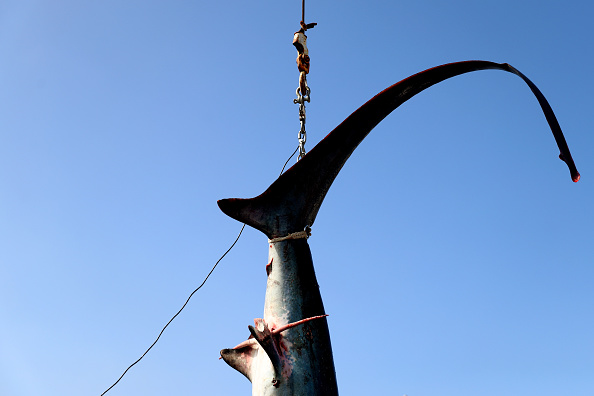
(292, 202)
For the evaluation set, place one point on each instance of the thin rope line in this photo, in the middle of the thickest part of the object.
(188, 300)
(289, 159)
(178, 312)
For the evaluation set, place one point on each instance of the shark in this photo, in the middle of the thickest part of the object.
(288, 351)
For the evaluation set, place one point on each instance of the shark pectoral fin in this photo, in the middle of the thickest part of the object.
(241, 357)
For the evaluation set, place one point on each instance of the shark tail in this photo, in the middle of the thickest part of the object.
(292, 202)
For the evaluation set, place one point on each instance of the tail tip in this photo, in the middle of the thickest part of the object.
(576, 177)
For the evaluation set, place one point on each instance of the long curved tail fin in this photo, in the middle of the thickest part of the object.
(292, 202)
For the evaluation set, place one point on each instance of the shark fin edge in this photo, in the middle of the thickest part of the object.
(240, 359)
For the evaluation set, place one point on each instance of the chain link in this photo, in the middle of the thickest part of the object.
(302, 135)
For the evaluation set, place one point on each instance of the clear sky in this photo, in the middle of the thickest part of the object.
(453, 252)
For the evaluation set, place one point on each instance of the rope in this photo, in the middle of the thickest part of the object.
(288, 159)
(295, 235)
(178, 312)
(191, 294)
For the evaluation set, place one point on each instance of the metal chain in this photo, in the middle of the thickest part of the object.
(302, 135)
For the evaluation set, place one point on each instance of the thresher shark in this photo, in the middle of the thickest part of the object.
(289, 351)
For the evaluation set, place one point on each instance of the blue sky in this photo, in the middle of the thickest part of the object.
(453, 252)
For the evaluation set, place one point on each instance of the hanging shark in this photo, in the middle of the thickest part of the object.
(288, 351)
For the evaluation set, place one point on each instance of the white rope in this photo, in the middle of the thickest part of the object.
(294, 235)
